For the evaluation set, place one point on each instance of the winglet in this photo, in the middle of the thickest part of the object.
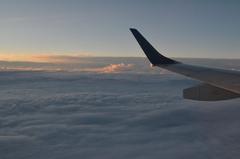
(152, 54)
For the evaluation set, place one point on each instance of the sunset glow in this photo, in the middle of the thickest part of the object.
(50, 58)
(196, 29)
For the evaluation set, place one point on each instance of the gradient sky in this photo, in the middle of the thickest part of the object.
(180, 28)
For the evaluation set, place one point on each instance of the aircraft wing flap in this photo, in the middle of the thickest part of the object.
(206, 92)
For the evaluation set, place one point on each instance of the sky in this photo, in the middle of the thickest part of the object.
(177, 28)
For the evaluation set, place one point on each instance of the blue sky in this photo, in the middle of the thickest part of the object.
(180, 28)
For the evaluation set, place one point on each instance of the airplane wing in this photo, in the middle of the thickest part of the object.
(218, 84)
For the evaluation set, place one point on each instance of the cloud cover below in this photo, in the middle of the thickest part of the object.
(63, 63)
(124, 115)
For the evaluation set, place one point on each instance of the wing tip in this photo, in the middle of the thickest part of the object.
(153, 55)
(132, 29)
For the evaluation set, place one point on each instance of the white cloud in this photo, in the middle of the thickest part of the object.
(112, 68)
(67, 115)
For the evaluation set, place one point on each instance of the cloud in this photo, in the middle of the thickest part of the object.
(112, 68)
(43, 58)
(106, 115)
(3, 69)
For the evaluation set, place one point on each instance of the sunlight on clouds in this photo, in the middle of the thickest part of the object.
(54, 62)
(53, 58)
(26, 57)
(112, 68)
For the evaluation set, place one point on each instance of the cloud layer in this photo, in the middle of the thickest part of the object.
(90, 115)
(112, 68)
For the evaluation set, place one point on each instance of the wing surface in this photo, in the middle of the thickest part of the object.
(227, 80)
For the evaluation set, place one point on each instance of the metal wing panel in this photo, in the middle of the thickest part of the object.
(223, 79)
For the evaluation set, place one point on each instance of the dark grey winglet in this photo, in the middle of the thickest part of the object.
(152, 54)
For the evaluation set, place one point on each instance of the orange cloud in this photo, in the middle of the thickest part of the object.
(112, 68)
(40, 58)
